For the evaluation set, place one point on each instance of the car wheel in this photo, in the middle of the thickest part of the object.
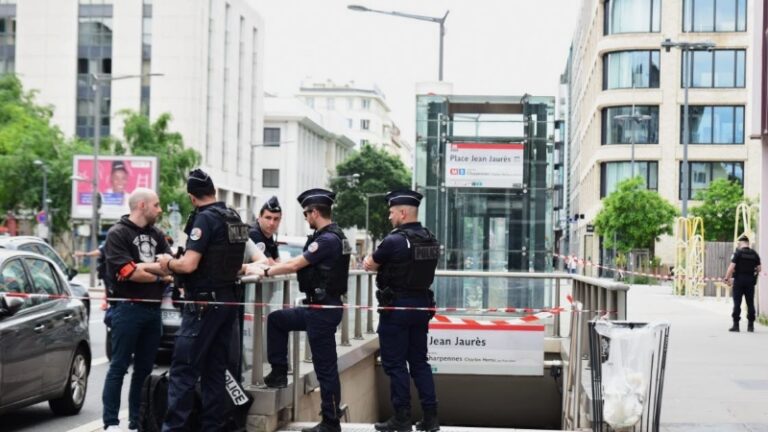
(73, 398)
(108, 344)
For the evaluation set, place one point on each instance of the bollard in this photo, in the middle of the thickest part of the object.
(286, 305)
(345, 323)
(358, 309)
(295, 366)
(557, 306)
(369, 328)
(257, 373)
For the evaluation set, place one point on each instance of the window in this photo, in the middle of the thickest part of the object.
(14, 279)
(632, 16)
(714, 124)
(365, 124)
(350, 123)
(715, 15)
(350, 103)
(364, 142)
(270, 178)
(365, 103)
(701, 174)
(43, 276)
(613, 173)
(331, 103)
(619, 131)
(271, 137)
(719, 68)
(631, 69)
(310, 102)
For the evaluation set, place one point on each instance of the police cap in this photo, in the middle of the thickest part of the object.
(744, 238)
(199, 183)
(403, 197)
(317, 197)
(272, 205)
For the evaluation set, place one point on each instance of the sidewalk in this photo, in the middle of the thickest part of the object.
(715, 380)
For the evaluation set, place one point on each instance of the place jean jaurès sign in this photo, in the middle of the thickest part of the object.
(484, 165)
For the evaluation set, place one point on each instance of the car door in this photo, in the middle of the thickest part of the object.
(22, 351)
(59, 318)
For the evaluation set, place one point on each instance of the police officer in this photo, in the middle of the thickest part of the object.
(744, 268)
(322, 272)
(406, 260)
(210, 265)
(263, 231)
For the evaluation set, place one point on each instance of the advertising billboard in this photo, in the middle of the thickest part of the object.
(484, 165)
(118, 176)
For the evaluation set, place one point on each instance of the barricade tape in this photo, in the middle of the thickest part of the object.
(587, 263)
(509, 310)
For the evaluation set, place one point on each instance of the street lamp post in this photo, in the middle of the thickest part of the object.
(97, 80)
(44, 168)
(438, 20)
(367, 208)
(633, 119)
(686, 48)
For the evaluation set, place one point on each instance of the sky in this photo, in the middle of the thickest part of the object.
(493, 47)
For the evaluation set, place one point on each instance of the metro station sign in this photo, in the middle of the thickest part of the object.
(484, 165)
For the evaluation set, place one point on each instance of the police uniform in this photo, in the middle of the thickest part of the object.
(407, 258)
(268, 245)
(744, 280)
(323, 281)
(203, 341)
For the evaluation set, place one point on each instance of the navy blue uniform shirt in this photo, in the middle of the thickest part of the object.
(325, 250)
(263, 243)
(394, 248)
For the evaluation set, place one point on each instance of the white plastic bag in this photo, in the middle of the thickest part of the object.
(626, 372)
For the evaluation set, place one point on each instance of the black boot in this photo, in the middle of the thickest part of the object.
(429, 423)
(735, 327)
(327, 425)
(400, 422)
(277, 378)
(751, 327)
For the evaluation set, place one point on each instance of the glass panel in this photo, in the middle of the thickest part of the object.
(618, 131)
(702, 68)
(653, 176)
(655, 69)
(42, 276)
(725, 61)
(739, 118)
(656, 16)
(704, 15)
(687, 15)
(726, 15)
(629, 69)
(738, 172)
(472, 259)
(741, 19)
(700, 124)
(740, 64)
(723, 126)
(629, 16)
(13, 279)
(699, 172)
(498, 245)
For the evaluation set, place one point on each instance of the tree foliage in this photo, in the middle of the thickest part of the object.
(145, 138)
(27, 134)
(718, 208)
(379, 172)
(635, 216)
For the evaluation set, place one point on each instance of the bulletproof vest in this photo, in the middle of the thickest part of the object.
(418, 272)
(746, 262)
(270, 247)
(222, 261)
(332, 278)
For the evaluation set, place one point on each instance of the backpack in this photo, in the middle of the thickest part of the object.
(154, 404)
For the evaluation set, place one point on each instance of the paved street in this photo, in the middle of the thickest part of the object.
(715, 380)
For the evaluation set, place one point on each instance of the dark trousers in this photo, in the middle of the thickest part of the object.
(136, 331)
(320, 325)
(403, 339)
(202, 351)
(747, 290)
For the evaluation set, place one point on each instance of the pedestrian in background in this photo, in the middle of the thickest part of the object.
(744, 268)
(130, 250)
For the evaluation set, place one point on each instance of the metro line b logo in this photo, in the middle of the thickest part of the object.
(458, 171)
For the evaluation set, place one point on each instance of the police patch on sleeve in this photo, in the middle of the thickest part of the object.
(196, 234)
(261, 246)
(313, 247)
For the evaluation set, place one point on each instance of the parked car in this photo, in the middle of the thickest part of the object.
(38, 246)
(290, 246)
(45, 354)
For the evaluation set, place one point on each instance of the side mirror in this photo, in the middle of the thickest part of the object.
(9, 305)
(71, 273)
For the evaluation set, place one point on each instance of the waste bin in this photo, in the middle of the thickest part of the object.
(627, 361)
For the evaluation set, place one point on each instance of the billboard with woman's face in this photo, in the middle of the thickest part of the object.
(117, 177)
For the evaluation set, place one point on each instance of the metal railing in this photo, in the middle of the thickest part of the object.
(592, 297)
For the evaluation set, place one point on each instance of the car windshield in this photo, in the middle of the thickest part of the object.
(289, 251)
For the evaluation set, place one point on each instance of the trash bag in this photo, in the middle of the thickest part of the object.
(626, 371)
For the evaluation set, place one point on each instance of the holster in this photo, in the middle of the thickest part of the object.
(385, 297)
(316, 296)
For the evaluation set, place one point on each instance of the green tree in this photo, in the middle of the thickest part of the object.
(27, 134)
(379, 172)
(718, 208)
(634, 216)
(146, 138)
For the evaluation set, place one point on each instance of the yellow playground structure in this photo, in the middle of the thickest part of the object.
(689, 256)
